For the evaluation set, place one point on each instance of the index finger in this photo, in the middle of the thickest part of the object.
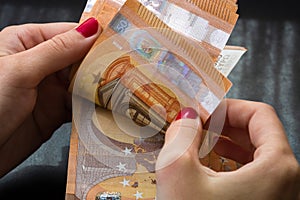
(259, 119)
(14, 39)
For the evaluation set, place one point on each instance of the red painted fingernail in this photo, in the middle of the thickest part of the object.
(88, 28)
(187, 113)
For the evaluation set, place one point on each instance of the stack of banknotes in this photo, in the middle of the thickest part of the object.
(153, 58)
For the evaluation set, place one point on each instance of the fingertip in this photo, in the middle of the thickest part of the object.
(187, 113)
(89, 27)
(186, 118)
(65, 48)
(182, 138)
(183, 128)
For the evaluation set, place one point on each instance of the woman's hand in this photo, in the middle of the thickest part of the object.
(34, 80)
(272, 172)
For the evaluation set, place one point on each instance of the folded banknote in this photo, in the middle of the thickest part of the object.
(153, 58)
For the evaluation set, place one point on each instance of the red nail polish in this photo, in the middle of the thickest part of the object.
(187, 113)
(88, 28)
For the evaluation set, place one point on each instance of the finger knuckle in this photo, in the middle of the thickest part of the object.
(16, 28)
(293, 168)
(9, 29)
(187, 157)
(60, 43)
(287, 172)
(264, 106)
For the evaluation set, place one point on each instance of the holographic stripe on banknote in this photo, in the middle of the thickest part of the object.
(186, 18)
(208, 95)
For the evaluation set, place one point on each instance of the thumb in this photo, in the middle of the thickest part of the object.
(183, 137)
(56, 53)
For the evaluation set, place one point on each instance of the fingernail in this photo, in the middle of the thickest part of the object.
(88, 28)
(187, 113)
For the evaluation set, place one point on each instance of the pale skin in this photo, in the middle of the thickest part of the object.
(34, 74)
(34, 102)
(270, 169)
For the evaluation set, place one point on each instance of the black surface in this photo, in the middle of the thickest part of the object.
(266, 9)
(20, 11)
(268, 72)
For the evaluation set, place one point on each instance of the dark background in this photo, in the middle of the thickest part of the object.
(268, 72)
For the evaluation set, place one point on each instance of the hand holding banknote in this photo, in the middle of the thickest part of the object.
(33, 103)
(34, 100)
(270, 171)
